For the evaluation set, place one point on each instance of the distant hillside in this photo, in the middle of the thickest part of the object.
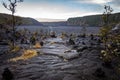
(62, 23)
(5, 18)
(94, 20)
(30, 21)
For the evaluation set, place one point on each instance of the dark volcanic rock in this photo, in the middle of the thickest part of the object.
(99, 73)
(49, 65)
(7, 74)
(80, 49)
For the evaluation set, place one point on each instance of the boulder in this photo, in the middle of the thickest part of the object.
(80, 49)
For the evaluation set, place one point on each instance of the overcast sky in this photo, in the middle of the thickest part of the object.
(61, 9)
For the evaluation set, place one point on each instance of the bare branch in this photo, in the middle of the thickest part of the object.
(11, 6)
(15, 1)
(10, 0)
(5, 5)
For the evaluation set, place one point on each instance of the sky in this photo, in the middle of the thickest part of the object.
(61, 9)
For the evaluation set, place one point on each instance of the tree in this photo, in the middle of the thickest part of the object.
(106, 14)
(106, 26)
(11, 6)
(105, 35)
(110, 38)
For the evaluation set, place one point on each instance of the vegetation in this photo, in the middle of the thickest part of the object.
(110, 39)
(14, 49)
(12, 7)
(27, 54)
(37, 45)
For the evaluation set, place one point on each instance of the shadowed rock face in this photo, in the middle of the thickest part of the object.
(50, 65)
(117, 26)
(115, 30)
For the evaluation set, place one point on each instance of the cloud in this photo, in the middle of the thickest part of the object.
(116, 2)
(61, 10)
(94, 1)
(100, 1)
(42, 10)
(47, 10)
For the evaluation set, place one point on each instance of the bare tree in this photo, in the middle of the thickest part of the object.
(106, 14)
(11, 6)
(106, 27)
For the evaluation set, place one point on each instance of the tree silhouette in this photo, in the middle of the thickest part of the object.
(109, 38)
(11, 6)
(106, 27)
(106, 14)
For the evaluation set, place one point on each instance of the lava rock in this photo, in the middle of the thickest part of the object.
(7, 74)
(82, 49)
(99, 73)
(41, 43)
(75, 47)
(71, 42)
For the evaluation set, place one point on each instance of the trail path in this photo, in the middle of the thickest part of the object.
(56, 63)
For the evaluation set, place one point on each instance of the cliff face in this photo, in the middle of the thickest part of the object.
(6, 19)
(94, 20)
